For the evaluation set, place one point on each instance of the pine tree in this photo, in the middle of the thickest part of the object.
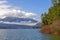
(53, 13)
(54, 2)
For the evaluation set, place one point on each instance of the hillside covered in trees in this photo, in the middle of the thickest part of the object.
(51, 20)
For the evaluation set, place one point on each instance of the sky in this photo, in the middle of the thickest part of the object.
(24, 8)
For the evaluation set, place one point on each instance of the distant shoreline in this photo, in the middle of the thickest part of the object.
(11, 26)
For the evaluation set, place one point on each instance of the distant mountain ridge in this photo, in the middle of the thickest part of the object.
(14, 22)
(15, 19)
(19, 21)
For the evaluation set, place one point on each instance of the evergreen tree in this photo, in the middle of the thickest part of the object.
(54, 2)
(53, 13)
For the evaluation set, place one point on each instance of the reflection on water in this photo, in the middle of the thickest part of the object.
(2, 34)
(22, 34)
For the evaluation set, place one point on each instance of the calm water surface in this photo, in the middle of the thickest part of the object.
(22, 34)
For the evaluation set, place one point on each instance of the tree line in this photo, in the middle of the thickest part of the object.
(53, 13)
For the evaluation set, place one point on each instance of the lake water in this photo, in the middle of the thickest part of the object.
(22, 34)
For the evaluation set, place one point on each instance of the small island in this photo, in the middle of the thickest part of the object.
(51, 19)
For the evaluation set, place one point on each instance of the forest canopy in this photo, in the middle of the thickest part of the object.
(53, 13)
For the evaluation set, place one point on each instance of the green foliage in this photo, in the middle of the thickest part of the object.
(54, 37)
(57, 29)
(53, 13)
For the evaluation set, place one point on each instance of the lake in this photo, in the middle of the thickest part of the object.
(22, 34)
(25, 34)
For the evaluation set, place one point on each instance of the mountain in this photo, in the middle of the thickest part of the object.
(38, 25)
(14, 22)
(15, 19)
(14, 26)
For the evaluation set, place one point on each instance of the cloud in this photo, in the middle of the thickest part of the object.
(30, 15)
(12, 11)
(3, 2)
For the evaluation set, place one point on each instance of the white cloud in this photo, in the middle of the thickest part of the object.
(3, 1)
(30, 15)
(8, 10)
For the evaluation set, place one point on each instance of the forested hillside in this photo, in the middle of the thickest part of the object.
(51, 20)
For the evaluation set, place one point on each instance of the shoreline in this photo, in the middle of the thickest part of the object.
(51, 30)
